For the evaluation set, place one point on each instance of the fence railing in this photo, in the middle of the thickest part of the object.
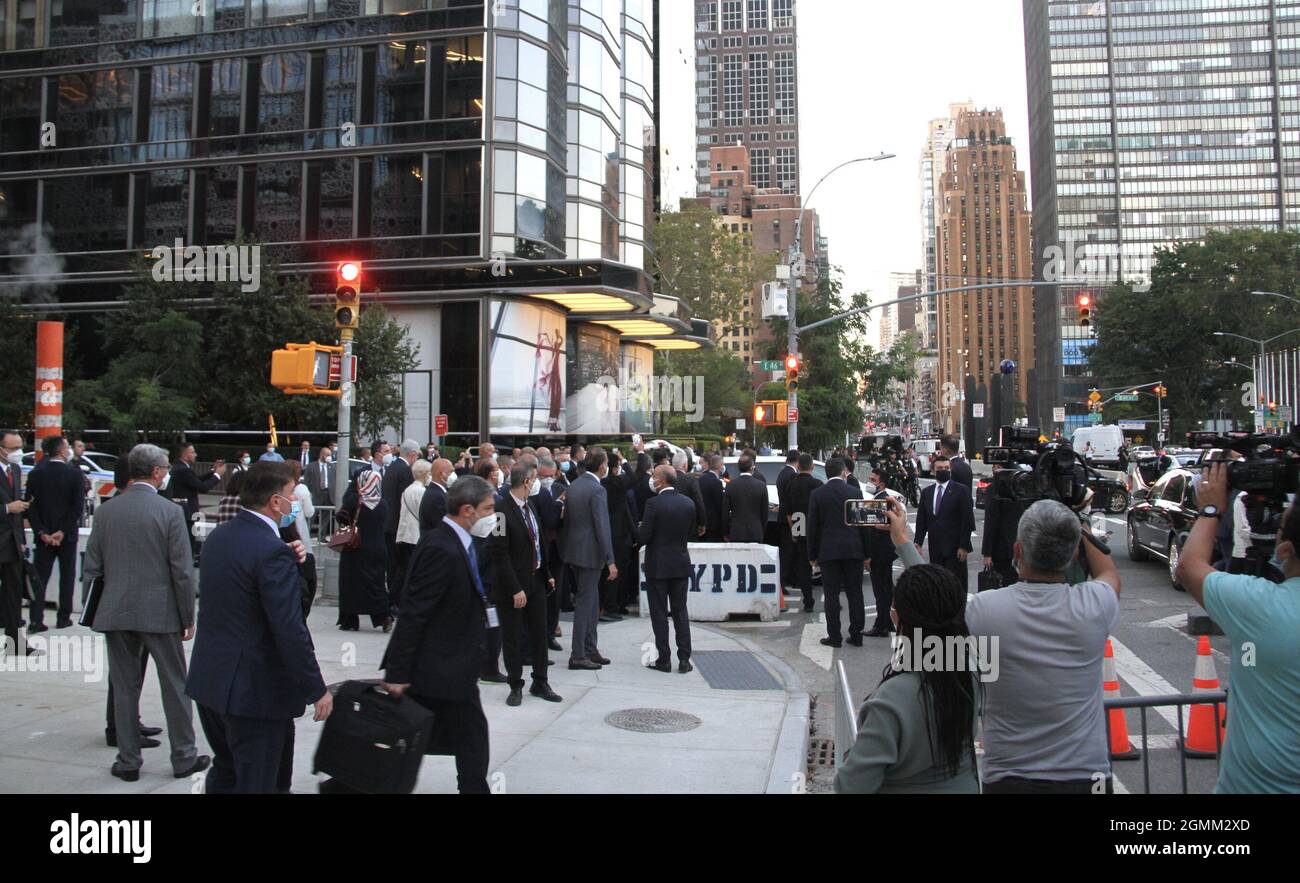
(1178, 701)
(846, 714)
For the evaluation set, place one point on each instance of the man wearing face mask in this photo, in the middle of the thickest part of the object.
(437, 647)
(140, 548)
(270, 456)
(881, 563)
(667, 531)
(58, 498)
(252, 609)
(433, 505)
(550, 510)
(947, 517)
(186, 485)
(1262, 753)
(13, 541)
(397, 479)
(588, 548)
(381, 457)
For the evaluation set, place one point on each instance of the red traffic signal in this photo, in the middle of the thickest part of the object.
(347, 296)
(1084, 303)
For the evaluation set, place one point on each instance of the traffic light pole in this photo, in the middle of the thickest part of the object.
(347, 390)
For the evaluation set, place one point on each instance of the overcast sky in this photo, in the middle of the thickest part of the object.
(871, 77)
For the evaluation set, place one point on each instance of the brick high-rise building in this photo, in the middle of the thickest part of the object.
(746, 74)
(982, 234)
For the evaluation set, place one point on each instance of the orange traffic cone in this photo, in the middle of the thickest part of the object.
(1120, 746)
(1200, 741)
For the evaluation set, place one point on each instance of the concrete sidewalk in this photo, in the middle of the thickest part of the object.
(750, 740)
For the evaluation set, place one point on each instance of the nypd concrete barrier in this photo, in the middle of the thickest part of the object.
(728, 579)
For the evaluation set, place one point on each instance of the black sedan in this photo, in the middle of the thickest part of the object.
(1161, 519)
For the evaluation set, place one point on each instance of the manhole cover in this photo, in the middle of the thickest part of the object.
(821, 752)
(653, 720)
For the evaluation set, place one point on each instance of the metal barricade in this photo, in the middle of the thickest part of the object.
(327, 560)
(1216, 698)
(846, 714)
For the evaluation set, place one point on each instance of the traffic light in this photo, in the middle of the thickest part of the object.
(771, 414)
(347, 296)
(1084, 302)
(1161, 391)
(792, 366)
(307, 369)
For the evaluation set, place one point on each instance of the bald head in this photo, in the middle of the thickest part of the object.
(664, 477)
(441, 471)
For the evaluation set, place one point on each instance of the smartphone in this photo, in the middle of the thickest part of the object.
(473, 453)
(636, 440)
(866, 513)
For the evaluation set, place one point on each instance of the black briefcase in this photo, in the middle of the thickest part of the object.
(373, 743)
(989, 580)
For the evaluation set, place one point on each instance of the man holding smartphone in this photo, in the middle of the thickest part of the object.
(841, 550)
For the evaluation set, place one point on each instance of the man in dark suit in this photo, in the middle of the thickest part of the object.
(783, 479)
(622, 533)
(881, 563)
(437, 646)
(840, 550)
(56, 489)
(795, 514)
(397, 478)
(666, 531)
(433, 505)
(13, 541)
(186, 487)
(550, 509)
(961, 471)
(746, 505)
(1001, 521)
(319, 478)
(519, 584)
(588, 548)
(688, 485)
(254, 668)
(947, 517)
(711, 489)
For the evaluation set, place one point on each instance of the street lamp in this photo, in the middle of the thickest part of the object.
(1263, 352)
(1277, 294)
(792, 432)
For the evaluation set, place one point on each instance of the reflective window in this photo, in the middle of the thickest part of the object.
(340, 88)
(166, 206)
(74, 22)
(222, 210)
(223, 117)
(20, 114)
(399, 85)
(398, 195)
(90, 212)
(169, 18)
(95, 107)
(276, 213)
(171, 102)
(282, 99)
(336, 189)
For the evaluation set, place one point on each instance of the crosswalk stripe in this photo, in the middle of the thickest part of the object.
(1145, 680)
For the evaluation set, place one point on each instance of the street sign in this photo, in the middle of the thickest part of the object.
(977, 411)
(1285, 413)
(1058, 415)
(1127, 398)
(1094, 418)
(1133, 425)
(1094, 397)
(793, 415)
(440, 425)
(740, 424)
(771, 366)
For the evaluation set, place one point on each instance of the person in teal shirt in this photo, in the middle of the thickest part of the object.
(1262, 622)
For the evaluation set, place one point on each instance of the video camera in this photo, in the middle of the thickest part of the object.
(1056, 471)
(1268, 472)
(871, 447)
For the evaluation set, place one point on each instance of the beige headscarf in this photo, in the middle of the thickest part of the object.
(369, 489)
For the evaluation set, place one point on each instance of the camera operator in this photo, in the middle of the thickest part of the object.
(1001, 517)
(1262, 622)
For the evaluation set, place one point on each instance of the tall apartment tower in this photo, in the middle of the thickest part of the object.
(1150, 123)
(982, 235)
(747, 87)
(932, 165)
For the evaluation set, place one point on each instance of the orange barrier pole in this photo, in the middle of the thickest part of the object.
(49, 381)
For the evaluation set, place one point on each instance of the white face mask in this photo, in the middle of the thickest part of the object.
(547, 484)
(484, 526)
(15, 458)
(388, 459)
(869, 489)
(535, 489)
(167, 479)
(451, 479)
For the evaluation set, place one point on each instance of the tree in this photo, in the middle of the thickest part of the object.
(154, 378)
(385, 352)
(18, 354)
(727, 391)
(1167, 333)
(711, 269)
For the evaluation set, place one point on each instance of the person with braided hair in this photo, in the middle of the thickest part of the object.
(916, 732)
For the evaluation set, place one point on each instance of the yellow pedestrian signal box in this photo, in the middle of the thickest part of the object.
(307, 369)
(771, 414)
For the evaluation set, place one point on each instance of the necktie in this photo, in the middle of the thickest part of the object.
(473, 568)
(532, 533)
(938, 498)
(324, 478)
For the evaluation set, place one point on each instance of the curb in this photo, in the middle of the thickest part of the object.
(788, 771)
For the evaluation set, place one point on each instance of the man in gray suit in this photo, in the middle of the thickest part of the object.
(319, 480)
(588, 549)
(140, 547)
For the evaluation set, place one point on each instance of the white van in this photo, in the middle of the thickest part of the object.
(925, 450)
(1100, 445)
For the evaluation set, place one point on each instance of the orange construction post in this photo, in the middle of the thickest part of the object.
(49, 381)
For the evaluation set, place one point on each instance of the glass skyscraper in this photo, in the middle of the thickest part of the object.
(492, 163)
(1152, 122)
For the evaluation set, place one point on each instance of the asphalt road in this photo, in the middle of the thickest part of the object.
(1154, 655)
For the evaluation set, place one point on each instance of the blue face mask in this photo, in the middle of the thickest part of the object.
(1276, 563)
(564, 467)
(288, 520)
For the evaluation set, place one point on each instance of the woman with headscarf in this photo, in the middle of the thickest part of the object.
(916, 732)
(361, 571)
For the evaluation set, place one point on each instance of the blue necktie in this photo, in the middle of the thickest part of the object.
(473, 568)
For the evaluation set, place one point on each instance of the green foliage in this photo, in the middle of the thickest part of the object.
(713, 270)
(727, 391)
(18, 354)
(1167, 333)
(385, 352)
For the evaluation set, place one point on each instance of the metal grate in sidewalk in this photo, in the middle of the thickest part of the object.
(734, 670)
